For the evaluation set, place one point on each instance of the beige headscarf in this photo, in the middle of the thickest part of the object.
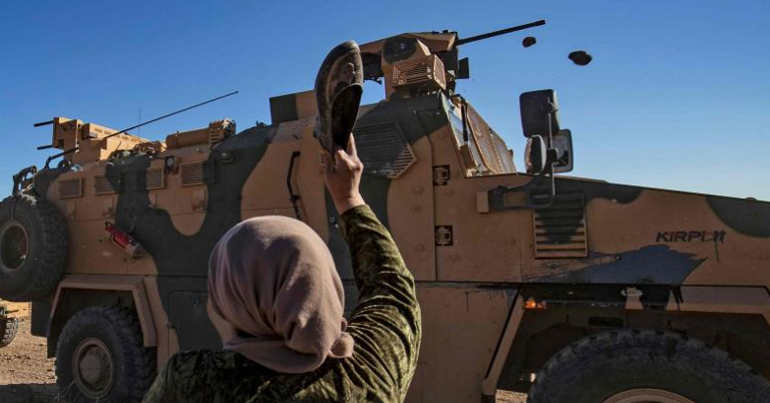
(275, 295)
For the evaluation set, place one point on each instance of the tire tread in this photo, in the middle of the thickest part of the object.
(555, 379)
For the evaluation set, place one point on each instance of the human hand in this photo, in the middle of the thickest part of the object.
(342, 174)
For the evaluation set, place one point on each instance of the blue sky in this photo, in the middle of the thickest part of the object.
(677, 95)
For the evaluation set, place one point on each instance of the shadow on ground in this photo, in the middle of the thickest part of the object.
(29, 393)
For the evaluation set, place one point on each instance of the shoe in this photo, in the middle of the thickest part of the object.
(338, 88)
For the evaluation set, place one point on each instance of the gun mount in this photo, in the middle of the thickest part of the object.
(420, 62)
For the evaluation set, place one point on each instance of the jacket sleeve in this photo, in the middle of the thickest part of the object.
(191, 376)
(386, 324)
(159, 391)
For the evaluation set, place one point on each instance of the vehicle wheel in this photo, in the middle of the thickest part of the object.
(8, 329)
(628, 366)
(33, 247)
(100, 357)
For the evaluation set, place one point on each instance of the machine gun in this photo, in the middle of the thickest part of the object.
(421, 62)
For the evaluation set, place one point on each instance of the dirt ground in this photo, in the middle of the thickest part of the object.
(27, 376)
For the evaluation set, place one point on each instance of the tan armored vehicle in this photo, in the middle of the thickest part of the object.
(570, 289)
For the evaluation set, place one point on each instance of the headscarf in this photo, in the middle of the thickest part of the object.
(275, 295)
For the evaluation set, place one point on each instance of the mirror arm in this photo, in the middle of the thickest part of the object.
(550, 154)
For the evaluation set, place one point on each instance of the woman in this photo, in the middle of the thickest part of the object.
(277, 301)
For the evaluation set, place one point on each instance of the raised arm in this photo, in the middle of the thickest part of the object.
(386, 322)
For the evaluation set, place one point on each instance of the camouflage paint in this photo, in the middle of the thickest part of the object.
(654, 264)
(181, 260)
(416, 117)
(749, 217)
(45, 177)
(622, 194)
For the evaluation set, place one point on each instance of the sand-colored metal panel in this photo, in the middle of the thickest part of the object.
(754, 300)
(489, 383)
(133, 284)
(266, 185)
(91, 252)
(679, 231)
(476, 235)
(308, 183)
(185, 202)
(306, 104)
(410, 215)
(461, 326)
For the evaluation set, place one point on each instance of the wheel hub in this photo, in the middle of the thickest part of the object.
(14, 245)
(647, 395)
(92, 368)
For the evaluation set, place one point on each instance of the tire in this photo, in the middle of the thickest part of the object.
(100, 357)
(33, 247)
(8, 329)
(605, 365)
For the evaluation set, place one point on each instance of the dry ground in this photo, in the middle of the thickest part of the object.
(27, 376)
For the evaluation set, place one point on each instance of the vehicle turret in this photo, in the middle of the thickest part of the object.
(419, 62)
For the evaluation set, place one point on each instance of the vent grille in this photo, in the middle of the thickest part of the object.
(560, 230)
(102, 185)
(428, 71)
(192, 174)
(383, 150)
(71, 188)
(155, 179)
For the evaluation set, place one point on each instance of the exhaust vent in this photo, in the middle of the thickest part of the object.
(560, 230)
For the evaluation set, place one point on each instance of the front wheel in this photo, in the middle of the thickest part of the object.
(629, 366)
(100, 357)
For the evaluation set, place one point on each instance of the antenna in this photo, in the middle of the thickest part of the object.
(172, 114)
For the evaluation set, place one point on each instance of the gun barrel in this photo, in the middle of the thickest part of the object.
(38, 124)
(500, 32)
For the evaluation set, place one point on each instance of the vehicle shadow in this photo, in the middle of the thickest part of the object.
(29, 393)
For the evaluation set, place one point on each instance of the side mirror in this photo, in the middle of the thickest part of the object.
(563, 157)
(535, 156)
(537, 107)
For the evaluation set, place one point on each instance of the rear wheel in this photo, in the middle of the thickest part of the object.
(100, 357)
(633, 366)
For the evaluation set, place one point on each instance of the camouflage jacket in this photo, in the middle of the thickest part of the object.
(385, 326)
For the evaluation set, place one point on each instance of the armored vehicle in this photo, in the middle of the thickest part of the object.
(570, 289)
